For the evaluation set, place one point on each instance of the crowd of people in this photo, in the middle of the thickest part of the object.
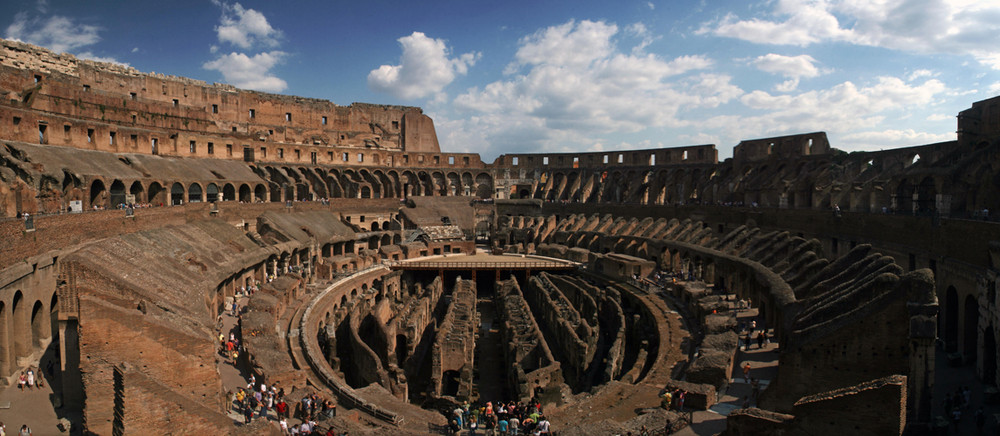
(259, 400)
(502, 419)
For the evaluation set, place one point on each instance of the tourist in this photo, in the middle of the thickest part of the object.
(760, 340)
(543, 426)
(514, 422)
(502, 425)
(22, 381)
(25, 431)
(746, 372)
(31, 378)
(666, 400)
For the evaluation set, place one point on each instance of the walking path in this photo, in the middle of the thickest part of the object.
(763, 367)
(36, 407)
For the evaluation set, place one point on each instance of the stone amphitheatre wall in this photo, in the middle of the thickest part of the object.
(849, 319)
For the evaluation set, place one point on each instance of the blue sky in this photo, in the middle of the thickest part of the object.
(554, 76)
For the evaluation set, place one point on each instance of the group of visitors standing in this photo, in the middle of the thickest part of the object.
(510, 419)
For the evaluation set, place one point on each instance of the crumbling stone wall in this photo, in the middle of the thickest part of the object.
(527, 354)
(454, 347)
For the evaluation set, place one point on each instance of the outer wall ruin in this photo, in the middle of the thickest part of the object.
(232, 187)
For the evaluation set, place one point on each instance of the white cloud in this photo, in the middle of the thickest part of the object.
(650, 5)
(895, 138)
(570, 83)
(425, 68)
(252, 72)
(93, 57)
(245, 28)
(940, 117)
(922, 26)
(920, 74)
(994, 88)
(843, 109)
(58, 33)
(789, 66)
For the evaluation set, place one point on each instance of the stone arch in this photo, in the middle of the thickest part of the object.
(40, 325)
(386, 239)
(245, 195)
(5, 348)
(156, 194)
(176, 194)
(484, 186)
(194, 193)
(990, 357)
(97, 192)
(20, 330)
(951, 319)
(260, 193)
(970, 328)
(374, 226)
(136, 190)
(904, 197)
(212, 193)
(116, 194)
(926, 196)
(229, 192)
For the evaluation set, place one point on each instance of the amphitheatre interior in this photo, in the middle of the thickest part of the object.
(401, 280)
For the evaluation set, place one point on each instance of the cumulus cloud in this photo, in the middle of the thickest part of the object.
(252, 72)
(843, 109)
(245, 28)
(570, 83)
(788, 66)
(922, 26)
(58, 33)
(424, 69)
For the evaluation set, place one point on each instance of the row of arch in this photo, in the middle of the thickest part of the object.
(26, 328)
(281, 184)
(306, 182)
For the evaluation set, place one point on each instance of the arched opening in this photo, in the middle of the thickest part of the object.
(156, 194)
(212, 193)
(989, 357)
(260, 193)
(117, 191)
(904, 197)
(5, 357)
(176, 194)
(951, 319)
(971, 329)
(136, 191)
(366, 192)
(97, 193)
(245, 194)
(449, 383)
(20, 328)
(386, 240)
(926, 196)
(194, 193)
(229, 192)
(39, 321)
(375, 226)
